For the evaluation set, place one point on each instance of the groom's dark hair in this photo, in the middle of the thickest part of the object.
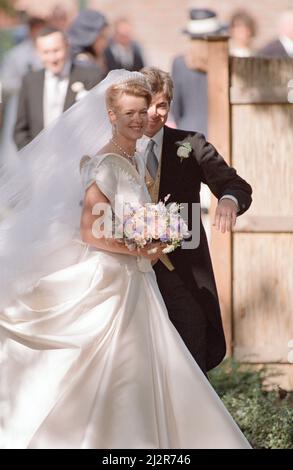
(159, 81)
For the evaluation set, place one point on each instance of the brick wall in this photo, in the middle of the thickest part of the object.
(44, 7)
(6, 21)
(158, 23)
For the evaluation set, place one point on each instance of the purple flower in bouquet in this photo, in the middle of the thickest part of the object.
(150, 223)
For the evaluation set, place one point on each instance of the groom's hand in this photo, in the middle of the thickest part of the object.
(225, 216)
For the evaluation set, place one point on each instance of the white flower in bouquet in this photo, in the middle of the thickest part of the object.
(151, 223)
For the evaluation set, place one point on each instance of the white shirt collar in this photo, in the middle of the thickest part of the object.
(157, 138)
(55, 90)
(287, 43)
(65, 72)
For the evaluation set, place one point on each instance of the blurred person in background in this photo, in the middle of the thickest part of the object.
(88, 38)
(283, 45)
(123, 52)
(190, 103)
(21, 59)
(45, 94)
(242, 31)
(17, 62)
(60, 18)
(189, 74)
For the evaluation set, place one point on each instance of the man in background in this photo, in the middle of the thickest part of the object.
(17, 62)
(189, 74)
(123, 52)
(21, 59)
(283, 45)
(45, 94)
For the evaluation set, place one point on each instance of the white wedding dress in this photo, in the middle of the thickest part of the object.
(90, 358)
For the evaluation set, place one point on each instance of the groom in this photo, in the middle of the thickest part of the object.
(186, 280)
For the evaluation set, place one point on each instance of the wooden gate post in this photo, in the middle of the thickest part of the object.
(219, 130)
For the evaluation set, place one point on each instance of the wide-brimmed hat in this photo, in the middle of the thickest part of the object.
(85, 29)
(203, 22)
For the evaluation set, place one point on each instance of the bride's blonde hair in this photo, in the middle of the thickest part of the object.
(139, 88)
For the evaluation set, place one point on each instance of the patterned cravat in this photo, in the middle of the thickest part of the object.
(152, 161)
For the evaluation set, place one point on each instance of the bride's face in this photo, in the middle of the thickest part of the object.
(130, 116)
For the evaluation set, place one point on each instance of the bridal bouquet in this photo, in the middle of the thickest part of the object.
(150, 223)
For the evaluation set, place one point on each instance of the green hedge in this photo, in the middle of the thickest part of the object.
(265, 417)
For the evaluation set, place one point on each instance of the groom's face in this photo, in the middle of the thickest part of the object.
(157, 113)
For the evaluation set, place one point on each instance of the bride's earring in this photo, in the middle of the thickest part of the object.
(114, 130)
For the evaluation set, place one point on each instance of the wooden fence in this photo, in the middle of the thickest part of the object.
(251, 123)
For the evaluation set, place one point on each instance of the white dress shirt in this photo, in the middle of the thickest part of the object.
(158, 146)
(158, 139)
(123, 54)
(287, 43)
(55, 90)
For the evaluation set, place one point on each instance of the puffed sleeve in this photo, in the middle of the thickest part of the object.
(106, 175)
(102, 171)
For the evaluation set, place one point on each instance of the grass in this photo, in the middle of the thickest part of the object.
(265, 417)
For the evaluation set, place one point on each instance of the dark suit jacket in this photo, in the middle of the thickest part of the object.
(273, 49)
(182, 180)
(113, 63)
(190, 101)
(30, 119)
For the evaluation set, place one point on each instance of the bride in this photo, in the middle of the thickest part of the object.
(89, 357)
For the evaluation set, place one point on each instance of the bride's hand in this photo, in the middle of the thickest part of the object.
(152, 251)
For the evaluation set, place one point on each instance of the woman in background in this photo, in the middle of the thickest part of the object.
(242, 33)
(88, 37)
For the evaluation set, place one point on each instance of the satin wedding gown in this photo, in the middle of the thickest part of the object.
(90, 358)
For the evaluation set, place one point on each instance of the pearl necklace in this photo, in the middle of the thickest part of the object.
(129, 157)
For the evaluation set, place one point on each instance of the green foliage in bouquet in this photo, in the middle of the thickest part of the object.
(265, 417)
